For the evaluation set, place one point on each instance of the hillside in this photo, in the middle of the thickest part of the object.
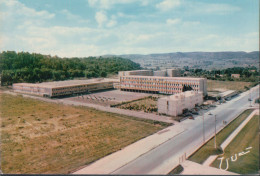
(204, 60)
(26, 67)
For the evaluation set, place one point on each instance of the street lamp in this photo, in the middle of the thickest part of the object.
(215, 130)
(249, 99)
(203, 128)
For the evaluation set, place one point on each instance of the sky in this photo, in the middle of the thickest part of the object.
(81, 28)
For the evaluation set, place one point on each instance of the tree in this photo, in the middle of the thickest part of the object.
(103, 74)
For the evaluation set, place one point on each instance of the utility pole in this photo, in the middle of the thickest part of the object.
(203, 129)
(215, 132)
(250, 97)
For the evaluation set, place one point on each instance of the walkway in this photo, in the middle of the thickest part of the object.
(118, 159)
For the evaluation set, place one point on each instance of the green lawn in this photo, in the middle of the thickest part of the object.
(228, 85)
(247, 137)
(48, 138)
(208, 149)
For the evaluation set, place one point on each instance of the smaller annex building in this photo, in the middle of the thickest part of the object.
(175, 104)
(63, 88)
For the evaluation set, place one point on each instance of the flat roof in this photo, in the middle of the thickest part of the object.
(182, 95)
(138, 71)
(57, 84)
(161, 77)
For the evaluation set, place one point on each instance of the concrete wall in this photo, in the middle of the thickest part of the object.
(40, 90)
(166, 85)
(160, 73)
(175, 104)
(32, 89)
(173, 72)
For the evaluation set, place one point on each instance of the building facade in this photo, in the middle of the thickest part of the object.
(62, 88)
(165, 85)
(175, 104)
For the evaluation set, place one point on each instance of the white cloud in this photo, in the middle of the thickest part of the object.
(107, 4)
(173, 21)
(111, 23)
(33, 33)
(101, 18)
(73, 17)
(20, 10)
(208, 8)
(168, 5)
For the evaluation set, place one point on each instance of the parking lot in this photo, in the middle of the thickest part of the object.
(110, 97)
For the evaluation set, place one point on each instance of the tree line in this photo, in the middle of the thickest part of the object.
(31, 67)
(247, 74)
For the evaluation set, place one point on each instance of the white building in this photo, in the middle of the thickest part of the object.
(175, 104)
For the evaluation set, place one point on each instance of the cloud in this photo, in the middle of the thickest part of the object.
(107, 4)
(73, 17)
(173, 21)
(208, 8)
(111, 23)
(101, 18)
(168, 5)
(20, 10)
(34, 32)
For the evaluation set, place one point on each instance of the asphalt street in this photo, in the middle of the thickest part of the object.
(187, 142)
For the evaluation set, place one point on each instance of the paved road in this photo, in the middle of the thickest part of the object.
(166, 156)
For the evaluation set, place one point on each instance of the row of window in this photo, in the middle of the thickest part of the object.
(156, 79)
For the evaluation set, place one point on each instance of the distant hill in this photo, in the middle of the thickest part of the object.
(205, 60)
(198, 55)
(32, 67)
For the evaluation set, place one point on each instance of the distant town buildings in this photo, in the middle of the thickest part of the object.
(175, 104)
(62, 88)
(235, 75)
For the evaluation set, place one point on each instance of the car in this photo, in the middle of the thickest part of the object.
(191, 117)
(194, 112)
(210, 113)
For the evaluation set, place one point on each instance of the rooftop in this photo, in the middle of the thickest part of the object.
(182, 95)
(56, 84)
(161, 77)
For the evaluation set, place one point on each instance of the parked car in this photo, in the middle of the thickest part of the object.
(191, 117)
(195, 113)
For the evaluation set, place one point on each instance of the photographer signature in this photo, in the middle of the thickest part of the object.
(233, 158)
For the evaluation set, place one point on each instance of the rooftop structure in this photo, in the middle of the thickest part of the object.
(136, 72)
(168, 72)
(175, 104)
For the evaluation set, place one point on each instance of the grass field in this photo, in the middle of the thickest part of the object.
(208, 149)
(148, 104)
(228, 85)
(40, 137)
(247, 137)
